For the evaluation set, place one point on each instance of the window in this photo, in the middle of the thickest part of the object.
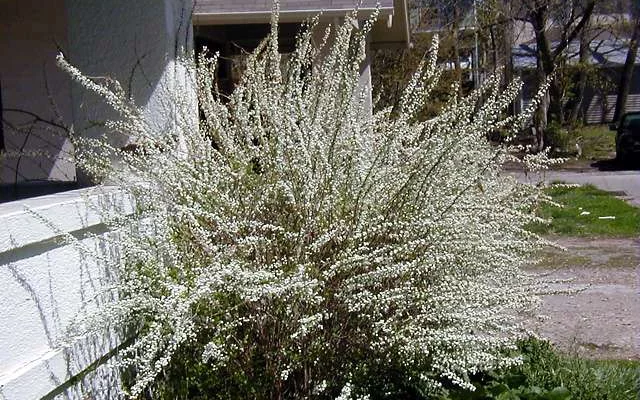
(631, 121)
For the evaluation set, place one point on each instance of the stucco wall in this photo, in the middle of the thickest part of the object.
(31, 33)
(136, 43)
(44, 280)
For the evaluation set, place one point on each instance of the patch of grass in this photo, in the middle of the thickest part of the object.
(549, 375)
(554, 258)
(625, 260)
(595, 255)
(573, 220)
(597, 141)
(583, 378)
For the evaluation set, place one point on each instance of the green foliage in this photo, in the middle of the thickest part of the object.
(546, 374)
(559, 139)
(593, 142)
(188, 377)
(581, 210)
(392, 70)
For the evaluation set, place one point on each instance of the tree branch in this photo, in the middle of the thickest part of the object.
(586, 16)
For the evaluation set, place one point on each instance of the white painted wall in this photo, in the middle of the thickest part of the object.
(364, 81)
(30, 34)
(137, 44)
(44, 282)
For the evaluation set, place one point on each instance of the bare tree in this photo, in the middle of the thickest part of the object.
(567, 19)
(627, 71)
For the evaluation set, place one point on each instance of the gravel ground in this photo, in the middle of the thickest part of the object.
(600, 318)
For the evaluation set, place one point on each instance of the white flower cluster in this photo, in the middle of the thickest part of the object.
(294, 227)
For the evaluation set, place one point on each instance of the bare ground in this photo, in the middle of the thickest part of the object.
(600, 318)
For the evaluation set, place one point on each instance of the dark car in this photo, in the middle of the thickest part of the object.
(628, 137)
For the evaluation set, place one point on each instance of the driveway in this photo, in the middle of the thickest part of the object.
(598, 315)
(601, 318)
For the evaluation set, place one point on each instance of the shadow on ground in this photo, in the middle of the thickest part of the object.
(614, 164)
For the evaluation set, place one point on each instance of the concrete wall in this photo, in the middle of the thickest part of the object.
(31, 32)
(44, 283)
(135, 43)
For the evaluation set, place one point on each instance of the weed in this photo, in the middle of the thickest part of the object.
(546, 374)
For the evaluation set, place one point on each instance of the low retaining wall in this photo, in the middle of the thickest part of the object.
(44, 281)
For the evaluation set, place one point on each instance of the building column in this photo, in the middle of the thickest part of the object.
(138, 43)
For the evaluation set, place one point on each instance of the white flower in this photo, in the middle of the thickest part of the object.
(293, 227)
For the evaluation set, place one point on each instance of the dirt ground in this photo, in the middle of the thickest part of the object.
(601, 319)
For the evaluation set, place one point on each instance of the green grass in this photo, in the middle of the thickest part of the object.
(597, 141)
(568, 221)
(548, 375)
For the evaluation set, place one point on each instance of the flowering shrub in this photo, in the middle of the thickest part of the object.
(293, 244)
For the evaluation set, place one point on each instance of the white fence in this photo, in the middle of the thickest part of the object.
(44, 280)
(601, 110)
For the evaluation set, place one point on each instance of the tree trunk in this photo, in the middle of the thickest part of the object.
(456, 48)
(544, 68)
(540, 117)
(556, 106)
(507, 42)
(581, 86)
(494, 48)
(552, 104)
(627, 72)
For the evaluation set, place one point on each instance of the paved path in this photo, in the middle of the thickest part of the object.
(615, 181)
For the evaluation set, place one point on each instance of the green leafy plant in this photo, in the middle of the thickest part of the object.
(546, 374)
(588, 211)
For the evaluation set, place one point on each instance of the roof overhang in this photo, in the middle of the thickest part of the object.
(286, 16)
(390, 30)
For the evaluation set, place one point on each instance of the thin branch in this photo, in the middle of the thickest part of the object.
(37, 118)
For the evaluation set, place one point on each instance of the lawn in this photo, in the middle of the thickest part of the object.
(597, 142)
(588, 211)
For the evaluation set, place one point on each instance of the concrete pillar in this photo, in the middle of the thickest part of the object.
(365, 78)
(136, 43)
(31, 34)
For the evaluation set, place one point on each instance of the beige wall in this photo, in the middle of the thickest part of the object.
(30, 33)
